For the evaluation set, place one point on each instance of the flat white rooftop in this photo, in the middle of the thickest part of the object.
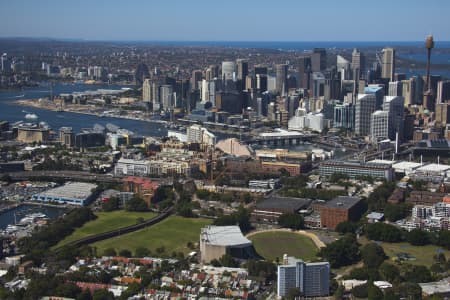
(381, 162)
(224, 236)
(406, 165)
(434, 168)
(72, 190)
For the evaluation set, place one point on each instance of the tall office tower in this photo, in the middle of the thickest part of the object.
(409, 91)
(443, 91)
(395, 88)
(318, 84)
(261, 82)
(388, 64)
(205, 91)
(311, 279)
(365, 105)
(358, 64)
(249, 82)
(379, 126)
(304, 72)
(394, 105)
(166, 96)
(147, 90)
(260, 69)
(155, 99)
(344, 116)
(66, 136)
(378, 91)
(442, 114)
(418, 89)
(242, 69)
(319, 59)
(228, 70)
(343, 67)
(212, 72)
(281, 78)
(195, 79)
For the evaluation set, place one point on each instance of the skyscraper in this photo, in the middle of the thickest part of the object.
(319, 59)
(147, 90)
(388, 64)
(312, 279)
(409, 91)
(281, 78)
(242, 69)
(304, 71)
(379, 126)
(443, 91)
(358, 64)
(394, 105)
(228, 70)
(166, 96)
(365, 106)
(196, 77)
(395, 88)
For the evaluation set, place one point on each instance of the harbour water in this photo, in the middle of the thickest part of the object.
(12, 112)
(16, 214)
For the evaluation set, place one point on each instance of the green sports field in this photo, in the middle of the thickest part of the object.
(106, 221)
(172, 233)
(271, 245)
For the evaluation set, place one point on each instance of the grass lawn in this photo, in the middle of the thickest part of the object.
(107, 221)
(172, 233)
(271, 245)
(423, 254)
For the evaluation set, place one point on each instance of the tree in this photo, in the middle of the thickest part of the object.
(136, 204)
(384, 232)
(111, 204)
(346, 227)
(444, 239)
(102, 294)
(359, 274)
(388, 272)
(84, 295)
(228, 261)
(416, 274)
(360, 291)
(264, 269)
(141, 252)
(342, 252)
(125, 253)
(374, 293)
(410, 290)
(339, 293)
(69, 290)
(395, 212)
(418, 237)
(290, 220)
(109, 252)
(293, 293)
(373, 255)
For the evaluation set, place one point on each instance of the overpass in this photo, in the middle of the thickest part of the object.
(64, 175)
(281, 137)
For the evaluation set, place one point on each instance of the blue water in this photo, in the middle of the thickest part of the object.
(21, 211)
(296, 45)
(12, 112)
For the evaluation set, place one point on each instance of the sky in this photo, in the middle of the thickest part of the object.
(227, 20)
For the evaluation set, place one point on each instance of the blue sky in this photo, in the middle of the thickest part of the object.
(227, 20)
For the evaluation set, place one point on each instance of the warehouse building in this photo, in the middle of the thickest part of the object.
(73, 193)
(215, 241)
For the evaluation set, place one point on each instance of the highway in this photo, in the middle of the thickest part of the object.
(65, 175)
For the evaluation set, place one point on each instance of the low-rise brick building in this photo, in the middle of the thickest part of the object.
(143, 187)
(340, 209)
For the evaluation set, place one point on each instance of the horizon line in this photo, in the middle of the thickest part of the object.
(211, 41)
